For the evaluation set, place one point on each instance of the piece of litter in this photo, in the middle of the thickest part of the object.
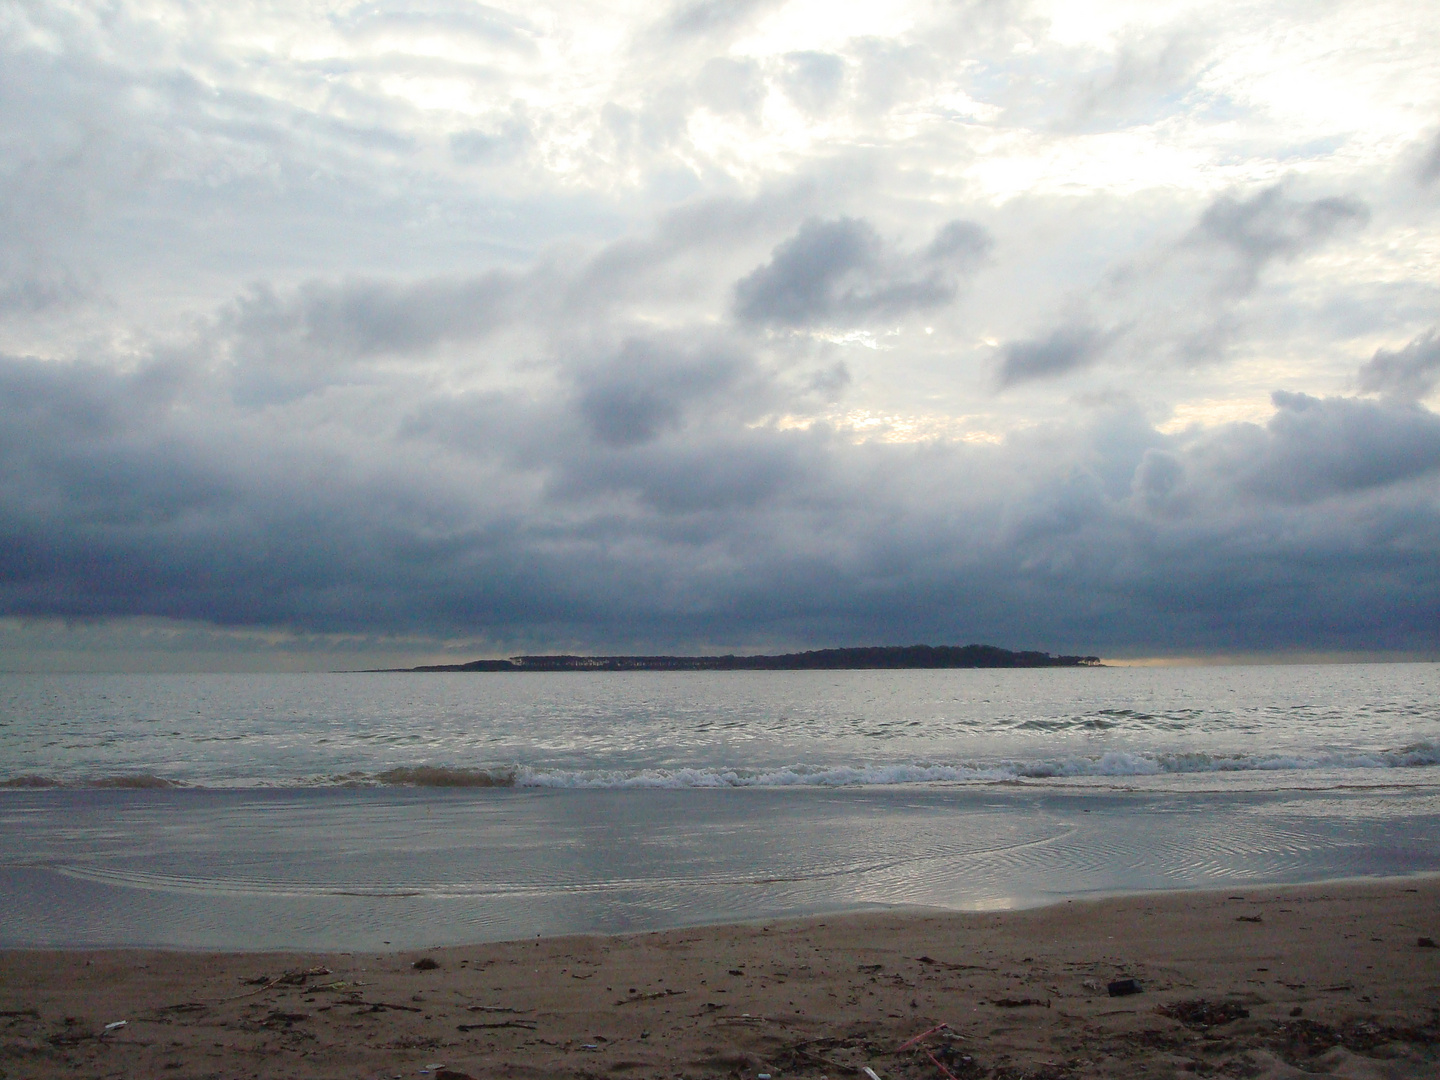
(930, 1031)
(871, 1073)
(1123, 988)
(762, 1076)
(116, 1024)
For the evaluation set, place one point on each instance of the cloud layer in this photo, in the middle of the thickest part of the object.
(727, 327)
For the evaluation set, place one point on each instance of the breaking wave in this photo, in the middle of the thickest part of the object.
(440, 777)
(1113, 764)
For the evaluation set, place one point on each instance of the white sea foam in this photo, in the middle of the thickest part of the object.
(1114, 764)
(1111, 764)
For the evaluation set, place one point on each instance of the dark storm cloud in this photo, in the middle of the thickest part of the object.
(842, 270)
(1059, 352)
(630, 398)
(1315, 448)
(643, 499)
(621, 416)
(286, 346)
(1271, 225)
(1411, 372)
(369, 317)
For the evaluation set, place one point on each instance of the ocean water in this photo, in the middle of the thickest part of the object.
(358, 811)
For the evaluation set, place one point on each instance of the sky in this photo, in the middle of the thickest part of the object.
(401, 330)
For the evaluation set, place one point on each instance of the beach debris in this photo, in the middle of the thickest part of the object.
(1199, 1013)
(871, 1073)
(1426, 943)
(923, 1035)
(1019, 1003)
(1123, 987)
(116, 1026)
(528, 1025)
(649, 997)
(425, 963)
(1248, 918)
(949, 1053)
(493, 1009)
(762, 1076)
(1300, 1039)
(588, 1046)
(300, 977)
(184, 1007)
(380, 1006)
(297, 977)
(961, 1061)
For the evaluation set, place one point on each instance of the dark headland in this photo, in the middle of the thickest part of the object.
(892, 657)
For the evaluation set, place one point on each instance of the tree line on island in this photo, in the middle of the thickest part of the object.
(873, 657)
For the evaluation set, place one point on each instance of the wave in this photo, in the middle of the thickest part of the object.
(1113, 764)
(135, 781)
(443, 777)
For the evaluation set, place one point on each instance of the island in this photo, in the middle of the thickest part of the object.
(883, 657)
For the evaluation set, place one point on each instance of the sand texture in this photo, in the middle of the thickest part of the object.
(1250, 983)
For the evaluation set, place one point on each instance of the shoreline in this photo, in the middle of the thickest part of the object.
(1333, 977)
(1022, 906)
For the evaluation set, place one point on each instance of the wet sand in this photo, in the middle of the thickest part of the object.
(1282, 982)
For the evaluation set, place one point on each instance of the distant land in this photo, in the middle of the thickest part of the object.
(893, 657)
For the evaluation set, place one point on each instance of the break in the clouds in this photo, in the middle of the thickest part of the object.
(405, 327)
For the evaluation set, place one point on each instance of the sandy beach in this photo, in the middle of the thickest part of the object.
(1335, 979)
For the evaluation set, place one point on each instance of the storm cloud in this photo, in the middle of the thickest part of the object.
(1409, 372)
(729, 326)
(842, 270)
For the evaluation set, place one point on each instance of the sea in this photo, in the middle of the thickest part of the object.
(395, 810)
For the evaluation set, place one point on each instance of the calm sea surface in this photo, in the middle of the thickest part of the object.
(349, 811)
